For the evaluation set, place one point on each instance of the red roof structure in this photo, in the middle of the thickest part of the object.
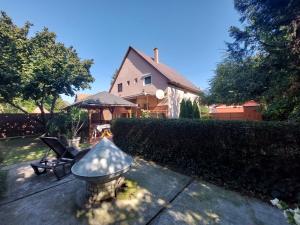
(248, 111)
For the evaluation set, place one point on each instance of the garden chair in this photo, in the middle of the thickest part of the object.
(65, 158)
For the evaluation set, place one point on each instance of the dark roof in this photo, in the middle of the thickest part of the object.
(173, 76)
(103, 99)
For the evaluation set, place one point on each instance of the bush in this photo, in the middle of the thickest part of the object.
(70, 124)
(262, 158)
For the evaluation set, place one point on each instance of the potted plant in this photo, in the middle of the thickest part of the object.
(75, 122)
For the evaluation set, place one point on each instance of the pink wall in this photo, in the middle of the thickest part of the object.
(135, 67)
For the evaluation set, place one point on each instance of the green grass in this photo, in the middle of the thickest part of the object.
(21, 150)
(18, 150)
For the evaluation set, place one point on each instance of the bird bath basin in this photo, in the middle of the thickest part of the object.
(102, 169)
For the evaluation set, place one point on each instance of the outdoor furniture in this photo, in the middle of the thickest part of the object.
(65, 158)
(102, 169)
(104, 130)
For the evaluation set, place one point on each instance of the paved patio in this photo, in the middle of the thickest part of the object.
(161, 197)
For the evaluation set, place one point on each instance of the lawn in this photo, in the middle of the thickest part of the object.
(20, 150)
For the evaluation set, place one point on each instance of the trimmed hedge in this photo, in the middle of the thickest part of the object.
(260, 158)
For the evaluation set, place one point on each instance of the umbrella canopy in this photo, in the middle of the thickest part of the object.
(102, 163)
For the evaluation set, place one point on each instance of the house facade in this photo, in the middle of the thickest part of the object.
(140, 77)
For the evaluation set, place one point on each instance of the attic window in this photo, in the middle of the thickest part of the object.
(147, 80)
(128, 82)
(120, 87)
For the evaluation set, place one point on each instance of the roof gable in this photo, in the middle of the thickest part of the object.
(172, 76)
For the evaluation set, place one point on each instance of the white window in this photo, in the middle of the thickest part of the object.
(147, 80)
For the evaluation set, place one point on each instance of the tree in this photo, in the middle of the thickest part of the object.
(236, 82)
(39, 68)
(189, 109)
(196, 112)
(183, 112)
(263, 61)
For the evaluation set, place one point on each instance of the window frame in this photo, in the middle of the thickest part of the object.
(120, 89)
(144, 82)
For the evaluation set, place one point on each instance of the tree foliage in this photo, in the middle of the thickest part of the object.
(263, 61)
(38, 68)
(183, 113)
(196, 112)
(189, 109)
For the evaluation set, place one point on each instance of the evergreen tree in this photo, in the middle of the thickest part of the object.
(263, 60)
(182, 113)
(196, 113)
(189, 109)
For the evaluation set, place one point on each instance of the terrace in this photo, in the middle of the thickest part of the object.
(153, 195)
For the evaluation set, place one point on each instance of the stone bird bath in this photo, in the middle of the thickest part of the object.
(102, 169)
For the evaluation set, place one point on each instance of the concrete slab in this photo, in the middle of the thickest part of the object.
(22, 181)
(203, 203)
(58, 204)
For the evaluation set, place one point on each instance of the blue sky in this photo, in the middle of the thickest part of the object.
(190, 34)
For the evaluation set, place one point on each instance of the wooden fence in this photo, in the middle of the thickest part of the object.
(18, 124)
(253, 116)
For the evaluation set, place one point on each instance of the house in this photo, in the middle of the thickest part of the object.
(140, 77)
(250, 110)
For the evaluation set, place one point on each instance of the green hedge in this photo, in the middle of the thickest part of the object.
(262, 158)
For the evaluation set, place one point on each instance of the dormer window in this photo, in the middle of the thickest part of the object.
(147, 80)
(120, 87)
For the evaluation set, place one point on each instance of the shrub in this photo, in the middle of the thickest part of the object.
(188, 109)
(255, 157)
(196, 112)
(183, 112)
(70, 124)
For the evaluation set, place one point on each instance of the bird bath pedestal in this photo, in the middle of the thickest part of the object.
(102, 169)
(97, 192)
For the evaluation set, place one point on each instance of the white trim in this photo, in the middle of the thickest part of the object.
(145, 75)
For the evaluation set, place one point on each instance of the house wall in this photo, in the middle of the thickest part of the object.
(175, 96)
(135, 67)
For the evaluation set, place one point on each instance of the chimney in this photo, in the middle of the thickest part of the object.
(156, 55)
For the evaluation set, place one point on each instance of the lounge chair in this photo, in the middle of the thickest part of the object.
(65, 158)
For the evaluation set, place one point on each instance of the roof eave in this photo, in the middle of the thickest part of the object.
(195, 91)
